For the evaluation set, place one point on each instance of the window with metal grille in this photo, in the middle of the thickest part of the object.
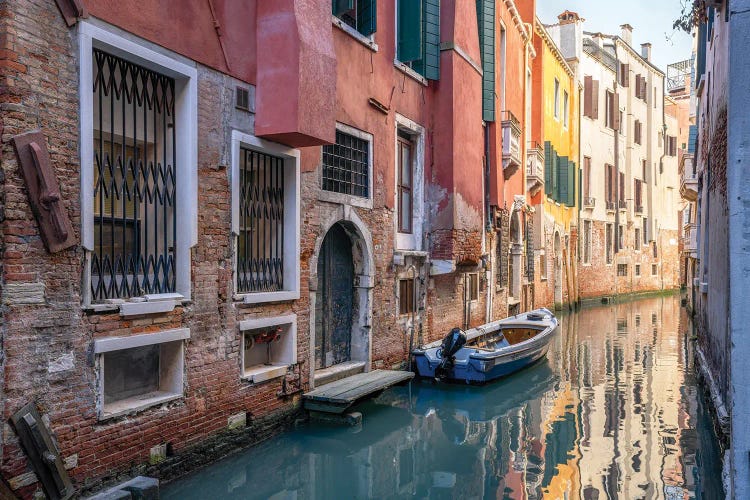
(622, 269)
(637, 269)
(135, 220)
(406, 297)
(346, 165)
(405, 183)
(609, 241)
(260, 243)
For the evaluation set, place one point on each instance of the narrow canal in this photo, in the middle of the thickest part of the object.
(614, 412)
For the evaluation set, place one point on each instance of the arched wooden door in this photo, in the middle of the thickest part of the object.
(334, 304)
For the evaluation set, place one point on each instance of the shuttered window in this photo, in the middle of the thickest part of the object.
(486, 25)
(637, 195)
(586, 177)
(359, 14)
(418, 38)
(624, 77)
(562, 180)
(622, 190)
(613, 111)
(637, 132)
(610, 186)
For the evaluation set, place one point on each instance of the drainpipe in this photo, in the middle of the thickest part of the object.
(580, 195)
(661, 167)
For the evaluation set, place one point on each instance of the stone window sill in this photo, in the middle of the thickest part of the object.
(262, 297)
(409, 72)
(262, 373)
(364, 40)
(345, 199)
(137, 306)
(136, 404)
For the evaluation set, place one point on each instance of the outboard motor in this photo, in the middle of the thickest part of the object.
(454, 341)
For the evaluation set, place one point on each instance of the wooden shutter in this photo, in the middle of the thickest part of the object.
(608, 182)
(555, 176)
(431, 37)
(367, 16)
(622, 186)
(562, 180)
(595, 99)
(625, 75)
(587, 105)
(571, 180)
(586, 181)
(410, 41)
(644, 92)
(547, 167)
(486, 24)
(341, 6)
(616, 111)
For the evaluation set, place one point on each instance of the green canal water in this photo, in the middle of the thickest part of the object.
(613, 412)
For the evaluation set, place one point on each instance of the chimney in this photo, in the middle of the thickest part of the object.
(627, 33)
(646, 51)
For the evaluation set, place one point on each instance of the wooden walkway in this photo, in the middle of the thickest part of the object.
(337, 396)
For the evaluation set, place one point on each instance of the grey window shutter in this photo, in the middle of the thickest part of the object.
(571, 180)
(562, 180)
(548, 167)
(410, 41)
(486, 25)
(367, 17)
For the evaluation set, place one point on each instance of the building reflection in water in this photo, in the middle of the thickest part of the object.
(614, 412)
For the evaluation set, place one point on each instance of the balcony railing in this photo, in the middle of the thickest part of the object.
(610, 205)
(623, 205)
(511, 129)
(690, 239)
(589, 202)
(534, 167)
(688, 178)
(639, 209)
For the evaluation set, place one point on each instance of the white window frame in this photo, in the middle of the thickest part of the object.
(350, 199)
(566, 101)
(184, 72)
(291, 249)
(175, 338)
(557, 99)
(288, 342)
(413, 241)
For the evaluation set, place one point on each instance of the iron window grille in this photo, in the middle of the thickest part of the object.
(622, 269)
(260, 245)
(135, 221)
(346, 166)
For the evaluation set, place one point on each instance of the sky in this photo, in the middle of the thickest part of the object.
(651, 21)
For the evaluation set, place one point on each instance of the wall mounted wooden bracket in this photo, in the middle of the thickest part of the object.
(44, 191)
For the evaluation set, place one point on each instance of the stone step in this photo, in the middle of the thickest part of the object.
(337, 372)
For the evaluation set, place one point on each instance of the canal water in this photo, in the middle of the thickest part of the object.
(613, 412)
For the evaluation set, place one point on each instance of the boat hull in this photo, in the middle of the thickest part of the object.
(472, 365)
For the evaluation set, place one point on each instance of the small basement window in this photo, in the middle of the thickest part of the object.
(622, 269)
(654, 270)
(637, 269)
(140, 371)
(268, 347)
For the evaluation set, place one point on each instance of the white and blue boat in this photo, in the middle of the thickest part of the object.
(487, 352)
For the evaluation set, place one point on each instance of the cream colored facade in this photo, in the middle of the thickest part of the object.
(628, 243)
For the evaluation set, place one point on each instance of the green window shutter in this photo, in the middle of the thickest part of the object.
(431, 36)
(555, 180)
(547, 167)
(562, 180)
(367, 17)
(341, 6)
(571, 202)
(486, 25)
(410, 43)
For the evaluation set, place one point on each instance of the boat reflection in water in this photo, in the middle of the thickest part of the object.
(612, 412)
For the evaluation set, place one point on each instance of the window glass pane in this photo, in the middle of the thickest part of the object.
(346, 166)
(406, 165)
(405, 211)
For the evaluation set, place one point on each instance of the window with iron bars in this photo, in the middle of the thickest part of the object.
(346, 165)
(260, 243)
(135, 150)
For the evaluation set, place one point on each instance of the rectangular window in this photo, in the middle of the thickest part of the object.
(418, 36)
(621, 237)
(591, 97)
(557, 98)
(473, 292)
(587, 243)
(645, 231)
(624, 75)
(260, 243)
(622, 269)
(565, 108)
(638, 195)
(622, 190)
(269, 346)
(405, 182)
(612, 118)
(542, 265)
(637, 269)
(346, 166)
(637, 132)
(358, 14)
(135, 180)
(586, 178)
(644, 172)
(609, 241)
(140, 370)
(654, 270)
(637, 238)
(406, 298)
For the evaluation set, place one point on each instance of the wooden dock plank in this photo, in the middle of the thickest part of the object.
(339, 395)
